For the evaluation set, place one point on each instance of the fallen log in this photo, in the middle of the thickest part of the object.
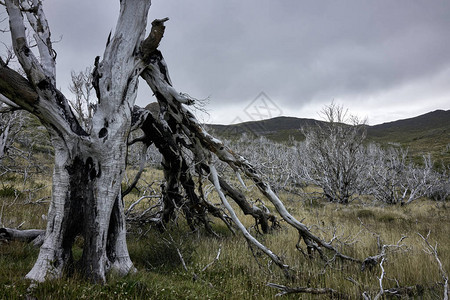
(36, 236)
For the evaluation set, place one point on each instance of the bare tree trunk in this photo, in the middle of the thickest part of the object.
(86, 202)
(89, 164)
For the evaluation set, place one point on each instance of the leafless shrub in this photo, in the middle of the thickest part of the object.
(21, 140)
(395, 179)
(334, 154)
(84, 103)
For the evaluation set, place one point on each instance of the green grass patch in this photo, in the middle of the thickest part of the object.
(7, 191)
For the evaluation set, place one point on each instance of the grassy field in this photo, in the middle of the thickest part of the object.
(241, 272)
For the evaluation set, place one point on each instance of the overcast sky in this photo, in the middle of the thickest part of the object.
(383, 59)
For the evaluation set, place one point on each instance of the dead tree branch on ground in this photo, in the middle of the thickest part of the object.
(285, 290)
(432, 250)
(30, 235)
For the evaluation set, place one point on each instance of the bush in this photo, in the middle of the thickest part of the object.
(8, 191)
(365, 214)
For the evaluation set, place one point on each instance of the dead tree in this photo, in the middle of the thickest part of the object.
(95, 157)
(17, 145)
(83, 105)
(178, 174)
(194, 138)
(393, 178)
(6, 122)
(336, 154)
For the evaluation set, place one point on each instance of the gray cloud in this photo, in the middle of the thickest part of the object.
(382, 59)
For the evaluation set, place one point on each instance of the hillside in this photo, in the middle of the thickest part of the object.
(428, 133)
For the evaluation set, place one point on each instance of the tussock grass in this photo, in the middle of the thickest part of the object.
(241, 272)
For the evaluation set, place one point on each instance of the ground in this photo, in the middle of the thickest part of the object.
(241, 273)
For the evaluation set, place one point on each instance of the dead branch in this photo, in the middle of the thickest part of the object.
(215, 259)
(29, 235)
(151, 43)
(380, 280)
(285, 290)
(373, 260)
(180, 255)
(197, 140)
(277, 260)
(142, 162)
(130, 209)
(262, 217)
(432, 250)
(381, 258)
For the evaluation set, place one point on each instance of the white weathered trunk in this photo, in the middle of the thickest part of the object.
(86, 201)
(89, 166)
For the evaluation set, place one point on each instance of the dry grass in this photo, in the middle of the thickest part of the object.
(241, 273)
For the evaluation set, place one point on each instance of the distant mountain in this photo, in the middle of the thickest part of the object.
(428, 133)
(438, 119)
(279, 128)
